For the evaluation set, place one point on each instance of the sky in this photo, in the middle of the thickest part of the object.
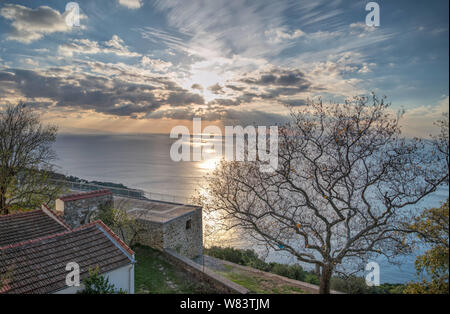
(137, 66)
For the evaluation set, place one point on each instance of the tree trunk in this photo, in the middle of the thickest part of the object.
(325, 279)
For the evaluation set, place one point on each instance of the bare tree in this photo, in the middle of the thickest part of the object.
(340, 192)
(26, 158)
(116, 217)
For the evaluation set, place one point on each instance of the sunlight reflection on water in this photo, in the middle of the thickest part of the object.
(143, 162)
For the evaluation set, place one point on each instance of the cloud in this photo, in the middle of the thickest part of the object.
(183, 98)
(30, 61)
(216, 89)
(295, 102)
(279, 35)
(280, 78)
(419, 121)
(114, 95)
(227, 116)
(32, 24)
(131, 4)
(85, 46)
(155, 64)
(197, 87)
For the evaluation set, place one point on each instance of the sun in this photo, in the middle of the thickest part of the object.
(209, 164)
(205, 78)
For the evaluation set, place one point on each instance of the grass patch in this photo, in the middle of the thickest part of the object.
(250, 258)
(258, 284)
(154, 274)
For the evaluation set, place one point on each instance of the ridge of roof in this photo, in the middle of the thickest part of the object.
(53, 215)
(80, 196)
(115, 236)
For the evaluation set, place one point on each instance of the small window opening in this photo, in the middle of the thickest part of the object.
(188, 224)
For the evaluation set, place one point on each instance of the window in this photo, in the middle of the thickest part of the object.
(188, 224)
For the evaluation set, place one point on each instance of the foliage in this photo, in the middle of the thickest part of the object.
(345, 177)
(26, 157)
(117, 218)
(98, 284)
(350, 284)
(432, 228)
(357, 285)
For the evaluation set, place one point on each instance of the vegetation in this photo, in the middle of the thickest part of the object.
(116, 218)
(98, 284)
(26, 157)
(344, 180)
(154, 274)
(251, 259)
(350, 284)
(357, 285)
(432, 228)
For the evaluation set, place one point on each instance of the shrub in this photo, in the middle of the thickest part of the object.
(97, 284)
(351, 285)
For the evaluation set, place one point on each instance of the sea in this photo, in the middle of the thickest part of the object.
(143, 162)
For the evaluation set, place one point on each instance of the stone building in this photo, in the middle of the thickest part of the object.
(162, 225)
(167, 225)
(76, 209)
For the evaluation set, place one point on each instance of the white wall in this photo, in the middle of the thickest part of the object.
(121, 278)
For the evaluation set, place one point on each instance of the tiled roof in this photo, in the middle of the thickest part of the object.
(39, 265)
(55, 216)
(24, 226)
(80, 196)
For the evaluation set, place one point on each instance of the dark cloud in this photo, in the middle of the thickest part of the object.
(279, 78)
(184, 98)
(32, 24)
(227, 115)
(225, 102)
(197, 87)
(235, 88)
(216, 89)
(103, 95)
(295, 102)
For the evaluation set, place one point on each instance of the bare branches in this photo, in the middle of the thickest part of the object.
(344, 179)
(26, 157)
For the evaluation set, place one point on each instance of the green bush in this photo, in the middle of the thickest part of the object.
(312, 278)
(357, 285)
(97, 284)
(351, 285)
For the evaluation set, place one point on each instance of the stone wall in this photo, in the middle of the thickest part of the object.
(150, 234)
(220, 283)
(187, 242)
(78, 212)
